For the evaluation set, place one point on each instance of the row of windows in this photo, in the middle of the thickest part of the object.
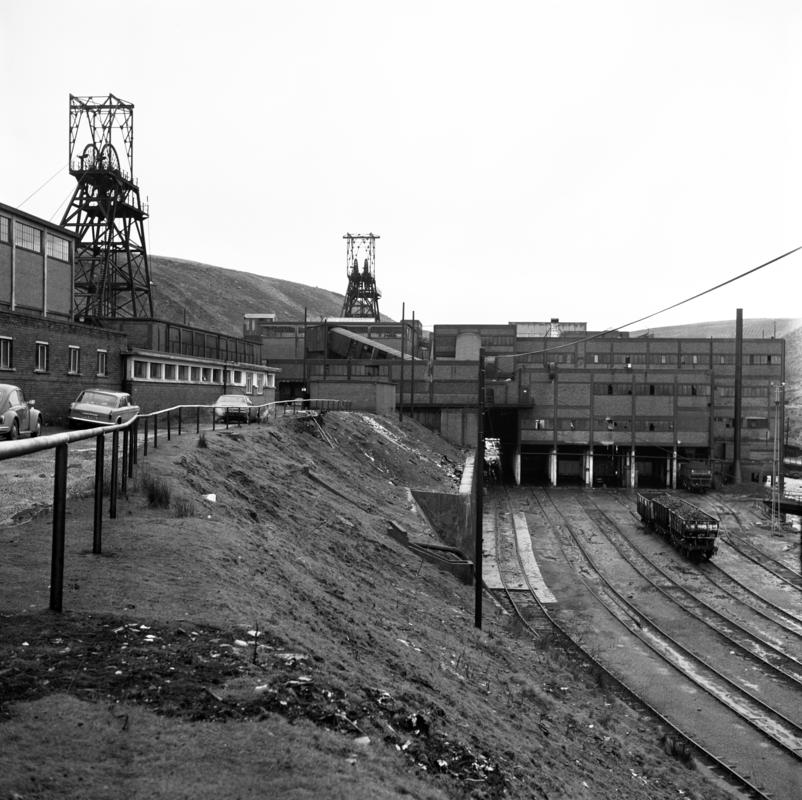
(42, 357)
(250, 381)
(30, 238)
(658, 424)
(652, 389)
(746, 391)
(671, 359)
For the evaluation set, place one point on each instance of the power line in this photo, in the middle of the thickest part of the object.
(661, 311)
(57, 172)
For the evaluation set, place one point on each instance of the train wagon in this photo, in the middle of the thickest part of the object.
(689, 529)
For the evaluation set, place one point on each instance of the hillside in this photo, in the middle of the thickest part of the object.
(216, 299)
(274, 641)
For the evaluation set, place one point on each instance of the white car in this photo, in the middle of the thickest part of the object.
(18, 417)
(101, 407)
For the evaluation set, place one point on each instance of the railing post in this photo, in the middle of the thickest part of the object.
(179, 420)
(115, 441)
(197, 419)
(168, 426)
(155, 431)
(145, 440)
(59, 509)
(124, 473)
(133, 441)
(98, 499)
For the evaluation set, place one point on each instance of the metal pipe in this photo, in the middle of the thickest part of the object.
(98, 498)
(59, 510)
(115, 441)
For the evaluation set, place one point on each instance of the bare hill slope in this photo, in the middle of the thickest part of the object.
(215, 298)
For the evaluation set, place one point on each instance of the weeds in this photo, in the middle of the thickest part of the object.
(156, 490)
(184, 507)
(202, 443)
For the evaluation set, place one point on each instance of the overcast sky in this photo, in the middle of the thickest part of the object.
(592, 161)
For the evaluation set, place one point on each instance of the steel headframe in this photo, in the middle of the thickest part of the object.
(362, 295)
(112, 274)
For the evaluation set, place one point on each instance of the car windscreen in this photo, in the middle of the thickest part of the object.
(98, 399)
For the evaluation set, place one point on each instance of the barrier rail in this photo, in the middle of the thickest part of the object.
(60, 442)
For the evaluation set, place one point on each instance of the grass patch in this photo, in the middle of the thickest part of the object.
(156, 489)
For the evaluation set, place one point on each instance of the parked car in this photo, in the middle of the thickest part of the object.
(18, 417)
(235, 408)
(101, 407)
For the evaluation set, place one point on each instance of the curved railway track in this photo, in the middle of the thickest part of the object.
(510, 571)
(767, 725)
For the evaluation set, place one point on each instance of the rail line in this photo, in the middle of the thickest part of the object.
(782, 665)
(729, 772)
(768, 725)
(729, 584)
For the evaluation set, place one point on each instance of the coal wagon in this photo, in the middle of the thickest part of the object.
(689, 529)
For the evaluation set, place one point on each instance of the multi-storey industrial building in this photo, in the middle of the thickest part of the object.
(567, 404)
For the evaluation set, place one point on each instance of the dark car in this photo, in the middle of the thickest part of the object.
(101, 407)
(17, 417)
(235, 408)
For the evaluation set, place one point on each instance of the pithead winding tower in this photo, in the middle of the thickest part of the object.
(112, 276)
(362, 295)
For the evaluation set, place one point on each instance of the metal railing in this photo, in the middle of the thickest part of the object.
(120, 475)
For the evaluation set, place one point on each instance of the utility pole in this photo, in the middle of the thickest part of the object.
(478, 483)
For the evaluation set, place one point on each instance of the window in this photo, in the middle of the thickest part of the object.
(155, 369)
(3, 229)
(57, 247)
(102, 359)
(237, 376)
(196, 374)
(206, 375)
(42, 362)
(183, 372)
(217, 376)
(140, 369)
(249, 383)
(169, 372)
(6, 352)
(28, 237)
(74, 354)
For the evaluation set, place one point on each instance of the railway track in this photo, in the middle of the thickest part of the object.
(720, 697)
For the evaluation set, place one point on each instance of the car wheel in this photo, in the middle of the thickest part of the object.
(38, 428)
(14, 432)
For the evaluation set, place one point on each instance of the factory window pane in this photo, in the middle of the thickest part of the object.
(169, 372)
(155, 370)
(57, 247)
(140, 369)
(27, 237)
(183, 372)
(102, 359)
(3, 229)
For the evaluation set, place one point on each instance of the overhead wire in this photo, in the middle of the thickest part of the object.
(608, 331)
(35, 191)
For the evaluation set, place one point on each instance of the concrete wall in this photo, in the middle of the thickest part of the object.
(375, 396)
(452, 515)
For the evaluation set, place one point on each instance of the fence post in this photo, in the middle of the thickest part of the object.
(133, 441)
(145, 440)
(124, 473)
(197, 419)
(179, 420)
(59, 509)
(98, 499)
(155, 431)
(115, 442)
(168, 426)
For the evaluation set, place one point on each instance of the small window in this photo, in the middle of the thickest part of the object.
(217, 376)
(595, 358)
(196, 374)
(140, 369)
(42, 362)
(102, 363)
(155, 370)
(74, 355)
(3, 229)
(695, 359)
(169, 372)
(6, 353)
(206, 375)
(238, 376)
(183, 372)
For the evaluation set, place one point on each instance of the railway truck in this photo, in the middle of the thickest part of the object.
(689, 529)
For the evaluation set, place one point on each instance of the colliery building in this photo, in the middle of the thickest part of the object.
(568, 405)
